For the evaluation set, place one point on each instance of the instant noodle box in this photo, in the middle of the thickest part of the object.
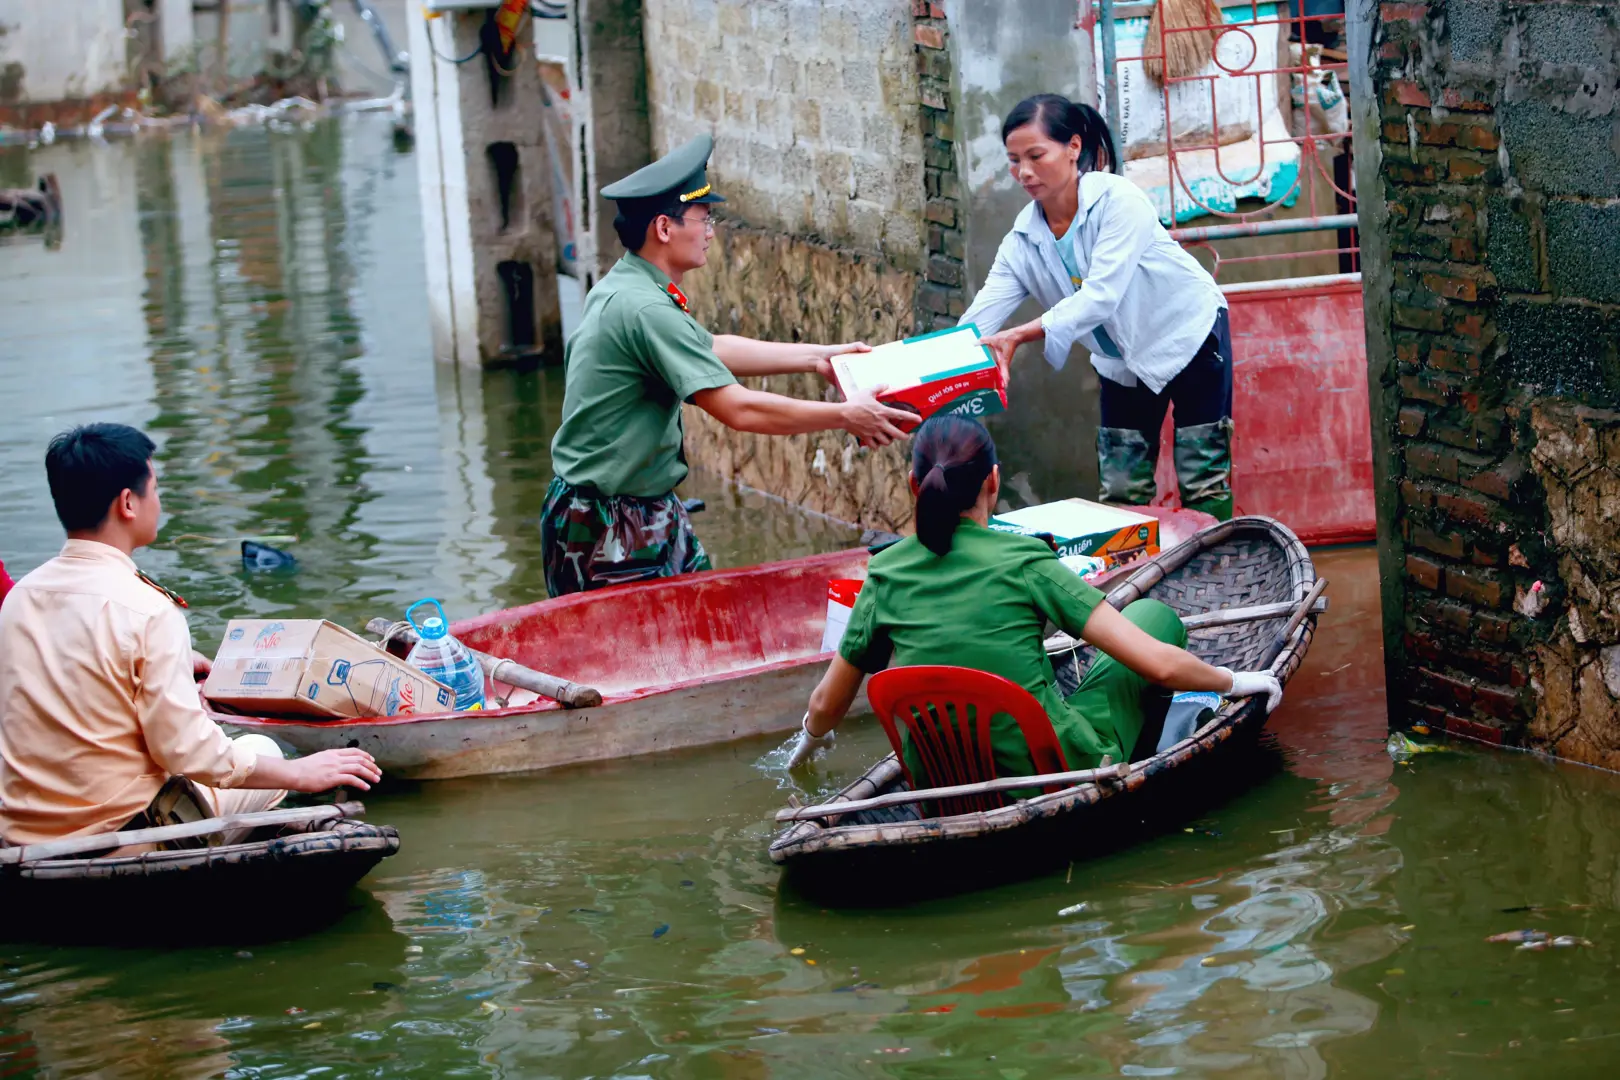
(1112, 534)
(311, 667)
(946, 372)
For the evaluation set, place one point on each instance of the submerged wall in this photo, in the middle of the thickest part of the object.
(1490, 169)
(61, 62)
(818, 151)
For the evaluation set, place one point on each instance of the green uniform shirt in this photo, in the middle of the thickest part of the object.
(984, 604)
(635, 357)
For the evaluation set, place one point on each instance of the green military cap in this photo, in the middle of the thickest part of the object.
(680, 176)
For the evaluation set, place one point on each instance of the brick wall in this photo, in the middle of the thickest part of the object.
(942, 298)
(1491, 178)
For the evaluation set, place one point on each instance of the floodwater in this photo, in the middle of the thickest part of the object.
(255, 300)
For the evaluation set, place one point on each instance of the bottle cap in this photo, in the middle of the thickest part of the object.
(433, 628)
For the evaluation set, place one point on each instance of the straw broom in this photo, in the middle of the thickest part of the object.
(1186, 53)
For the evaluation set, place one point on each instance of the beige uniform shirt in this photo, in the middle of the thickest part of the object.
(98, 705)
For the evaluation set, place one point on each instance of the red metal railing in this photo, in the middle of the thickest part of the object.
(1236, 55)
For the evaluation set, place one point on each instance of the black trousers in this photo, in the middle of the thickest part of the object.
(1133, 416)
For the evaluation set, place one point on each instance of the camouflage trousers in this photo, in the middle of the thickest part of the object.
(1132, 417)
(590, 541)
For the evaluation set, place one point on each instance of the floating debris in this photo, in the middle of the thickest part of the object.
(1562, 941)
(1400, 746)
(797, 950)
(661, 931)
(257, 556)
(1072, 909)
(1513, 937)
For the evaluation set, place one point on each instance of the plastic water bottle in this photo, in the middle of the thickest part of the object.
(1189, 710)
(441, 656)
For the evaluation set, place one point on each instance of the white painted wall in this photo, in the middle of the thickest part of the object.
(66, 50)
(441, 163)
(175, 23)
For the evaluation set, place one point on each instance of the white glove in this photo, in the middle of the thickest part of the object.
(805, 746)
(1252, 683)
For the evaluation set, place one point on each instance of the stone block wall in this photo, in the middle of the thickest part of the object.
(813, 107)
(1489, 157)
(834, 228)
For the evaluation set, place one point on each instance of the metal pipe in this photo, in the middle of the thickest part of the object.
(1294, 284)
(1110, 72)
(1325, 223)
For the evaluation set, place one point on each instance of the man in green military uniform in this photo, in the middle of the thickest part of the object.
(611, 515)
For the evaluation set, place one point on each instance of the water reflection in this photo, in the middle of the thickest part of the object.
(255, 299)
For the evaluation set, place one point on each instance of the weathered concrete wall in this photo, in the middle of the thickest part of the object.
(1491, 178)
(485, 178)
(615, 117)
(818, 130)
(58, 60)
(1002, 54)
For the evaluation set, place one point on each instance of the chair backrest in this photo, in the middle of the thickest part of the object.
(947, 713)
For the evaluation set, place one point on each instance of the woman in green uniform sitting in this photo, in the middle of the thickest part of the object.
(959, 593)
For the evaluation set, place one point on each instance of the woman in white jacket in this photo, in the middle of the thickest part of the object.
(1089, 248)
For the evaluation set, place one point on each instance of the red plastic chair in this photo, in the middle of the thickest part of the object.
(947, 712)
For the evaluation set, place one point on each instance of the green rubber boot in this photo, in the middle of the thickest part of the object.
(1203, 455)
(1125, 466)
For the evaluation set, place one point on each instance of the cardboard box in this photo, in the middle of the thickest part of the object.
(1110, 533)
(945, 372)
(310, 667)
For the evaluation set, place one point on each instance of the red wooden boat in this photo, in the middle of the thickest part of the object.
(684, 661)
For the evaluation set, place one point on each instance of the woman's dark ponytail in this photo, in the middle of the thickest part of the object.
(1061, 120)
(950, 458)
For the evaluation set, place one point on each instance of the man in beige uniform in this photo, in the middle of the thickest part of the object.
(98, 701)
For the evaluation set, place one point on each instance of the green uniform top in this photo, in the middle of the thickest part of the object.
(984, 604)
(635, 357)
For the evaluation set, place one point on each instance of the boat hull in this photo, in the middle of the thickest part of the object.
(681, 662)
(865, 858)
(512, 740)
(267, 888)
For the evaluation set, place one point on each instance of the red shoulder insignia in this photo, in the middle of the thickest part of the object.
(179, 600)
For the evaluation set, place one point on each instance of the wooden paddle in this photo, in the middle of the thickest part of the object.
(79, 845)
(571, 695)
(1001, 783)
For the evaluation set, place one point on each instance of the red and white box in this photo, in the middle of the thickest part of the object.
(946, 372)
(841, 593)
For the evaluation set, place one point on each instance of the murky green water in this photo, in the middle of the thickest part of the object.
(255, 301)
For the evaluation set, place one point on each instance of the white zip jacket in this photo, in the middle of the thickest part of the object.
(1153, 300)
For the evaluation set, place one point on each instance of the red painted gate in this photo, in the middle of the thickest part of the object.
(1219, 144)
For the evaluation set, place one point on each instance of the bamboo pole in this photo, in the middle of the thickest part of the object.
(79, 845)
(510, 672)
(1001, 783)
(1061, 642)
(1280, 642)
